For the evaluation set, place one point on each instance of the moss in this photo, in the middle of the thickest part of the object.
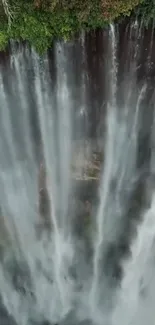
(41, 21)
(146, 12)
(3, 39)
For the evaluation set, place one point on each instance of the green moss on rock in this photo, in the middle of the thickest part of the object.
(3, 39)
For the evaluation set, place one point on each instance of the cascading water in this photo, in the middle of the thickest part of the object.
(54, 267)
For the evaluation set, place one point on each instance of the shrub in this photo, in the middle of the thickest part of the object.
(41, 21)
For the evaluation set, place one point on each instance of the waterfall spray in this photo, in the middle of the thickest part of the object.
(56, 267)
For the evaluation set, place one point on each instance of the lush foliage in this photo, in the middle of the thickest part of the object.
(147, 12)
(114, 8)
(40, 21)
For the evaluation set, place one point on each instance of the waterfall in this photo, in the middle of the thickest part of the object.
(77, 219)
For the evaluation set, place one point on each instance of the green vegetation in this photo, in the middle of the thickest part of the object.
(41, 21)
(147, 12)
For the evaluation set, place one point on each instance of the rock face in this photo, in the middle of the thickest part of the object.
(85, 170)
(5, 318)
(44, 204)
(85, 173)
(86, 161)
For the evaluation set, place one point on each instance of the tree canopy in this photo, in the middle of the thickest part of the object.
(41, 21)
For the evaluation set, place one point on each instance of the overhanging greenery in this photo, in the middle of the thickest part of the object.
(41, 21)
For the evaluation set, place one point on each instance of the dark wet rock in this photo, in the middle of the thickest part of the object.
(5, 318)
(18, 273)
(86, 190)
